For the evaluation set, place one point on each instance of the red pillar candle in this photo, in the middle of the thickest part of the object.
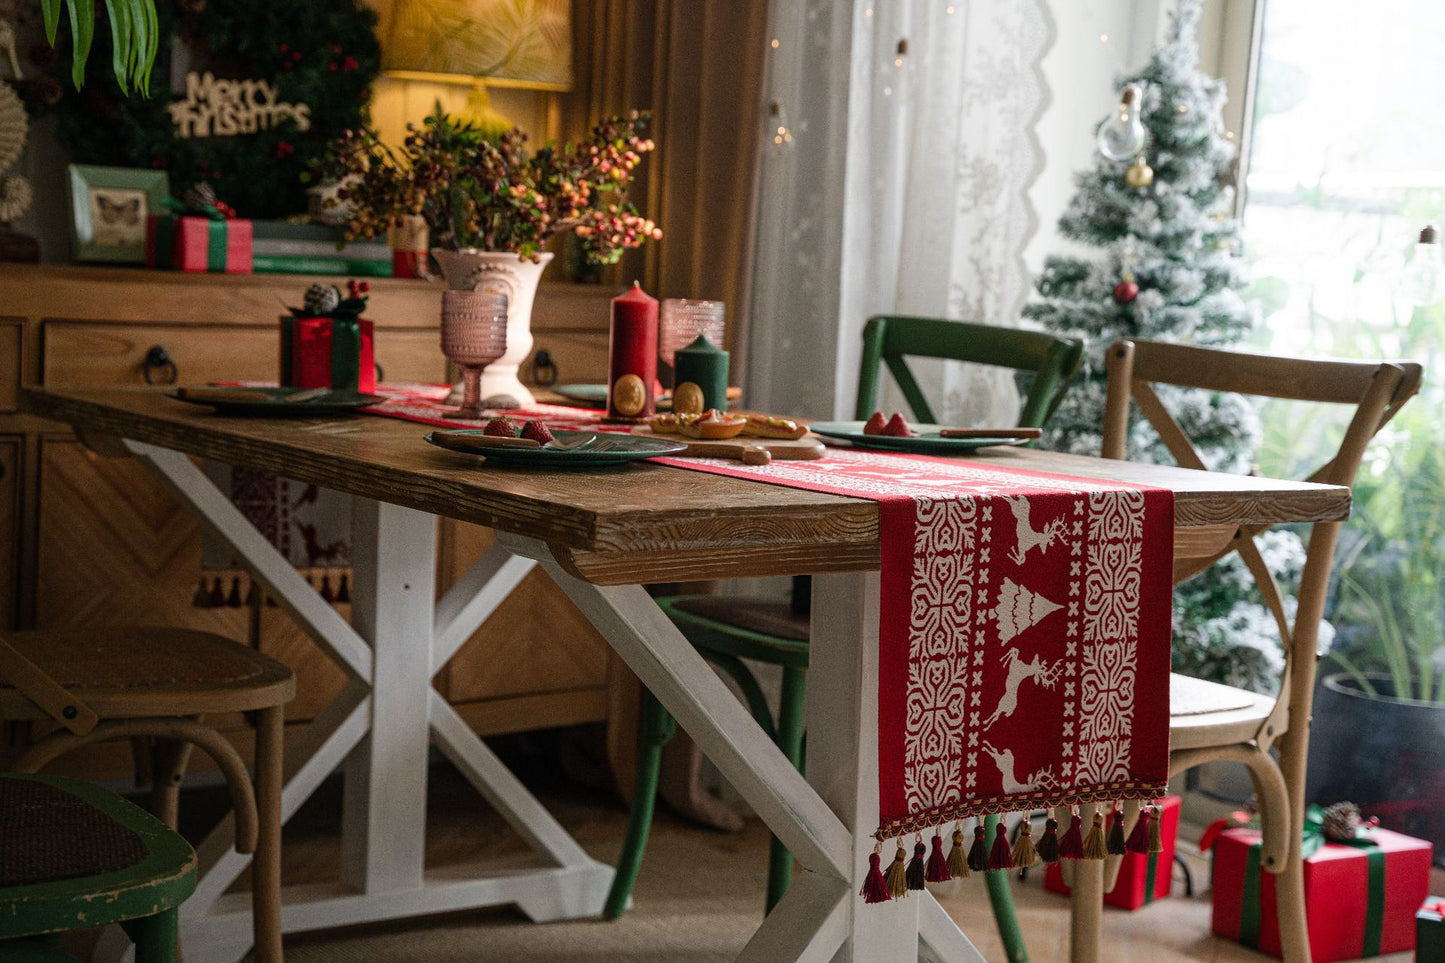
(632, 355)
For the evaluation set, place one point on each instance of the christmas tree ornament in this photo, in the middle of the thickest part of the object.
(322, 299)
(1340, 822)
(1123, 135)
(1126, 290)
(1139, 175)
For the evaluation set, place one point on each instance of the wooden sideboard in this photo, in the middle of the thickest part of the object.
(87, 541)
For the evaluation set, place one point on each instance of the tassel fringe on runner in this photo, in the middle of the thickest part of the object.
(930, 865)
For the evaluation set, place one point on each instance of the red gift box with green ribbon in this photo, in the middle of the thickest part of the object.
(1142, 878)
(326, 344)
(1360, 895)
(1430, 931)
(199, 239)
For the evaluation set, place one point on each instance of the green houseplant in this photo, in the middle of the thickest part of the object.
(135, 38)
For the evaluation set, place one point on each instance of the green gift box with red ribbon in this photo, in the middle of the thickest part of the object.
(1360, 895)
(1142, 878)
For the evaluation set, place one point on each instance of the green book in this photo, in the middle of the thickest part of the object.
(270, 264)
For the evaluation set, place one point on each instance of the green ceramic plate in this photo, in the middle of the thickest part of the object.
(275, 403)
(609, 448)
(925, 439)
(595, 395)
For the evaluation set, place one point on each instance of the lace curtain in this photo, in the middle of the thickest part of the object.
(904, 190)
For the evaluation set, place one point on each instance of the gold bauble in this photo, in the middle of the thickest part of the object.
(629, 395)
(687, 399)
(1139, 175)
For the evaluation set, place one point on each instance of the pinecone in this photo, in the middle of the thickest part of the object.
(322, 299)
(199, 195)
(1340, 821)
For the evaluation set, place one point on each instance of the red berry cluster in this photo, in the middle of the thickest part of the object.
(492, 194)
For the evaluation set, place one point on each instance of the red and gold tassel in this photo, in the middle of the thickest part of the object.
(1048, 848)
(875, 887)
(936, 871)
(1094, 842)
(896, 877)
(1138, 841)
(999, 857)
(1156, 831)
(1071, 844)
(978, 853)
(958, 855)
(914, 873)
(1114, 842)
(1024, 855)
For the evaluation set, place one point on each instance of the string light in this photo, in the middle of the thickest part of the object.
(1103, 38)
(778, 129)
(774, 44)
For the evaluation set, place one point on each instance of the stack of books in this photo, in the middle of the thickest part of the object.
(280, 247)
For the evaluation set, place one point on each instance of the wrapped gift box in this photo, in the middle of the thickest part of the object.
(1360, 899)
(200, 244)
(1430, 931)
(1142, 879)
(328, 353)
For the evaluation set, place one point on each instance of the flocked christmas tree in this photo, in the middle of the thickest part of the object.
(1158, 206)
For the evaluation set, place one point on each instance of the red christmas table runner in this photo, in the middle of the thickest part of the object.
(1024, 624)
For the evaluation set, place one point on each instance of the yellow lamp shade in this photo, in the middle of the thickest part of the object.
(506, 43)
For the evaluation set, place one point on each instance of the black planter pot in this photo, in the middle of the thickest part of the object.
(1387, 755)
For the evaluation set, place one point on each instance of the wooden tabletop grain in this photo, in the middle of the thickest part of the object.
(635, 523)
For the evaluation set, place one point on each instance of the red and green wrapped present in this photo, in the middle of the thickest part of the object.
(326, 344)
(200, 237)
(1430, 931)
(1143, 878)
(1361, 894)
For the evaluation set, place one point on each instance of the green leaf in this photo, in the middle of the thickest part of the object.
(51, 11)
(122, 42)
(82, 27)
(151, 33)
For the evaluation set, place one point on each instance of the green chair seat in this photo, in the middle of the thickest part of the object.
(73, 856)
(727, 630)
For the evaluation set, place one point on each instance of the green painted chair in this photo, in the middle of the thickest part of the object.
(728, 630)
(73, 856)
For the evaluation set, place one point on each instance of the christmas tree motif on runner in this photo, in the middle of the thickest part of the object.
(1020, 608)
(1043, 779)
(1018, 671)
(1028, 538)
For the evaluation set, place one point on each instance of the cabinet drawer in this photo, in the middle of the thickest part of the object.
(10, 448)
(12, 331)
(96, 353)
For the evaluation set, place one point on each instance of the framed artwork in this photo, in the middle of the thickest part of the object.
(109, 206)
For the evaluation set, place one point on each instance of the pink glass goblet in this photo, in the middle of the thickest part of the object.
(474, 334)
(679, 322)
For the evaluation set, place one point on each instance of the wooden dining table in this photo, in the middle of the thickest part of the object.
(602, 535)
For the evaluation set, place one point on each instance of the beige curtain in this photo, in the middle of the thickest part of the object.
(698, 67)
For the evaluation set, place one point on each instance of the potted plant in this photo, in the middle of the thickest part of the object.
(1378, 736)
(134, 38)
(491, 207)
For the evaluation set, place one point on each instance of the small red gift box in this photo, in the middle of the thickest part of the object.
(328, 353)
(1360, 898)
(1142, 879)
(199, 244)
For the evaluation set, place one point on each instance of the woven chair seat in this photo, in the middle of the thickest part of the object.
(46, 834)
(763, 616)
(133, 672)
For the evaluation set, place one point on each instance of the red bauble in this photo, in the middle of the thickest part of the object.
(1125, 291)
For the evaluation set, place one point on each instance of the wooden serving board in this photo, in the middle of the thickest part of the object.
(743, 448)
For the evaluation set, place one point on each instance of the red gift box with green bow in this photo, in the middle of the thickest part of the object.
(199, 238)
(332, 346)
(1360, 894)
(1143, 878)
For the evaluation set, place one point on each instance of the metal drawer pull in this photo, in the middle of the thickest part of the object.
(159, 358)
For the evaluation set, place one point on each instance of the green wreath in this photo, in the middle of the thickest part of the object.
(321, 54)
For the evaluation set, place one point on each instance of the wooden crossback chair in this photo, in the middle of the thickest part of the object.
(1209, 721)
(156, 683)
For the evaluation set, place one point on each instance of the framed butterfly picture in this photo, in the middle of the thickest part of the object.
(109, 206)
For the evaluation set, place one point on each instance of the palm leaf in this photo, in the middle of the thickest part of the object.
(134, 38)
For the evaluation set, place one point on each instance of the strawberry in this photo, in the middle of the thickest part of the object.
(501, 427)
(897, 427)
(875, 424)
(537, 431)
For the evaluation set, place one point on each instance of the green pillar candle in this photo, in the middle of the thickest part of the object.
(706, 366)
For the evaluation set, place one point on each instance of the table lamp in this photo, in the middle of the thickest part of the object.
(479, 43)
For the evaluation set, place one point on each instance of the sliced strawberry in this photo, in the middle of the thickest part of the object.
(897, 427)
(537, 431)
(501, 427)
(874, 425)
